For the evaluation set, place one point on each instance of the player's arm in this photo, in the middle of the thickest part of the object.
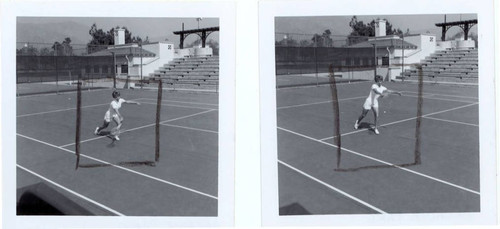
(388, 92)
(117, 112)
(131, 102)
(377, 92)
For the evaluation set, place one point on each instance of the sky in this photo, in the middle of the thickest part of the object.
(151, 27)
(339, 25)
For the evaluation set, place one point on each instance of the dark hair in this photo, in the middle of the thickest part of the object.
(115, 94)
(378, 78)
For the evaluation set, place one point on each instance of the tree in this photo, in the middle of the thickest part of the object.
(101, 39)
(323, 40)
(361, 30)
(64, 48)
(46, 52)
(305, 43)
(214, 45)
(27, 50)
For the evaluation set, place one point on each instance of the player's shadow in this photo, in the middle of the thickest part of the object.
(123, 164)
(365, 125)
(375, 167)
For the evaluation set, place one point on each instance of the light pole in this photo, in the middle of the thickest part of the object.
(198, 20)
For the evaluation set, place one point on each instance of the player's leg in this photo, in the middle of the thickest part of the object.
(375, 115)
(116, 131)
(98, 129)
(361, 117)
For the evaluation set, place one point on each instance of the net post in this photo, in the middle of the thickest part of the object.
(158, 116)
(419, 116)
(78, 122)
(336, 113)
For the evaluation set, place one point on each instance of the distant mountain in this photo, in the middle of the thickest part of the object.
(52, 32)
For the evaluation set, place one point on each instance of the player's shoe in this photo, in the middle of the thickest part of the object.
(356, 125)
(96, 130)
(376, 131)
(117, 138)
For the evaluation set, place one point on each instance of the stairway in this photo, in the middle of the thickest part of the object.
(190, 74)
(448, 66)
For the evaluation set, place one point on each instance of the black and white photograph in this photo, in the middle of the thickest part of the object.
(120, 116)
(378, 114)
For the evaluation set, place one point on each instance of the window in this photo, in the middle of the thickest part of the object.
(124, 68)
(385, 61)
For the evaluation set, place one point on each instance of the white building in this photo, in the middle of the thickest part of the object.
(133, 60)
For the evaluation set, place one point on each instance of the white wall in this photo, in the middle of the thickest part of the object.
(164, 53)
(426, 44)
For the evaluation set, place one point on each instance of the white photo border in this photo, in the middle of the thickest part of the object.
(268, 10)
(11, 10)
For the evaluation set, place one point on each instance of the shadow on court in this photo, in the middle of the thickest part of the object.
(376, 167)
(123, 164)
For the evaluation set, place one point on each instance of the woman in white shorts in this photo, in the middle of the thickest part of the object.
(371, 103)
(113, 113)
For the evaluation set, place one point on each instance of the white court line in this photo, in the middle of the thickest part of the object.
(172, 105)
(71, 191)
(60, 93)
(123, 168)
(428, 97)
(383, 162)
(457, 96)
(67, 109)
(320, 85)
(352, 98)
(176, 101)
(141, 127)
(403, 120)
(333, 188)
(329, 101)
(190, 128)
(54, 111)
(451, 121)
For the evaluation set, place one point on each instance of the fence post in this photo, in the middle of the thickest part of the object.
(376, 60)
(403, 58)
(316, 60)
(57, 71)
(114, 70)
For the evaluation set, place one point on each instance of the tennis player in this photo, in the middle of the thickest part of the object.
(371, 103)
(114, 113)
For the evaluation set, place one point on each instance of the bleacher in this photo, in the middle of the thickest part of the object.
(190, 73)
(458, 66)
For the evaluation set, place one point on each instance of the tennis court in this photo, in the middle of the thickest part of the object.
(378, 173)
(122, 177)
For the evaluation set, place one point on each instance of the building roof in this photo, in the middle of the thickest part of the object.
(134, 51)
(397, 43)
(211, 29)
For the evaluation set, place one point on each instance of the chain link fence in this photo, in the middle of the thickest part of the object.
(312, 58)
(54, 68)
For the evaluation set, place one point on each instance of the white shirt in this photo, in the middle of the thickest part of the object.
(372, 99)
(115, 105)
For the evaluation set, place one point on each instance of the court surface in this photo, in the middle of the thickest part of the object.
(377, 172)
(121, 178)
